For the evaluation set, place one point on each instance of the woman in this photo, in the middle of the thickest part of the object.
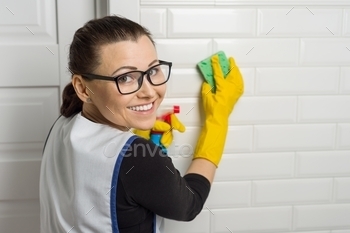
(96, 175)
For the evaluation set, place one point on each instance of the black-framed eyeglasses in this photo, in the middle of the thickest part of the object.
(131, 81)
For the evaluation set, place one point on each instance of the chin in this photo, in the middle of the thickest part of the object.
(146, 125)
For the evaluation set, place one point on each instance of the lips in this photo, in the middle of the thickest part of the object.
(140, 108)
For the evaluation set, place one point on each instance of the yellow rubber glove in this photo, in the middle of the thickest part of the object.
(161, 126)
(218, 107)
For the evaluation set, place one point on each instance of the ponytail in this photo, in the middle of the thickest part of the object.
(71, 104)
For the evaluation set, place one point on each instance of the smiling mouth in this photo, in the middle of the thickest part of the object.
(140, 108)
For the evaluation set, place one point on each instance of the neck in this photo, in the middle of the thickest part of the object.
(91, 113)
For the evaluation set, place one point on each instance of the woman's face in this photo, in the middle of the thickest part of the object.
(108, 104)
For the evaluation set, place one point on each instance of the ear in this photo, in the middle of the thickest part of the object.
(79, 85)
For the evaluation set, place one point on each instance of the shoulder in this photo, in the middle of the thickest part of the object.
(144, 151)
(145, 159)
(143, 148)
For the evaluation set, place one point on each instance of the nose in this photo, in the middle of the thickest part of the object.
(147, 89)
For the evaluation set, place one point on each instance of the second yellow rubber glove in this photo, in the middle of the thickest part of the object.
(161, 126)
(218, 107)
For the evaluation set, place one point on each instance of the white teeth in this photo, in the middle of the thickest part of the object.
(141, 107)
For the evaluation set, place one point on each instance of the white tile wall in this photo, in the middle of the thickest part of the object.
(295, 191)
(325, 51)
(239, 139)
(323, 163)
(260, 52)
(299, 81)
(200, 224)
(345, 80)
(324, 109)
(315, 23)
(342, 189)
(343, 137)
(211, 22)
(229, 194)
(321, 216)
(251, 166)
(294, 137)
(347, 22)
(193, 80)
(258, 110)
(177, 50)
(286, 164)
(266, 219)
(155, 21)
(341, 231)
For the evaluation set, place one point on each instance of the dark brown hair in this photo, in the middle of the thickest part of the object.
(85, 47)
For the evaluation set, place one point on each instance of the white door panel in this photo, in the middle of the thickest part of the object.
(29, 65)
(32, 74)
(19, 216)
(28, 22)
(17, 186)
(28, 113)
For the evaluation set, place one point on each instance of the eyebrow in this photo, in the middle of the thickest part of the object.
(132, 67)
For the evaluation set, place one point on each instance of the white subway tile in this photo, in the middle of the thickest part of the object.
(285, 192)
(211, 22)
(185, 53)
(343, 136)
(324, 109)
(260, 52)
(190, 110)
(341, 231)
(177, 2)
(282, 2)
(199, 225)
(257, 110)
(188, 82)
(323, 163)
(238, 139)
(248, 75)
(154, 19)
(184, 144)
(184, 83)
(297, 81)
(229, 194)
(252, 219)
(16, 175)
(181, 163)
(345, 80)
(324, 51)
(286, 21)
(294, 137)
(321, 217)
(342, 189)
(310, 231)
(255, 166)
(346, 23)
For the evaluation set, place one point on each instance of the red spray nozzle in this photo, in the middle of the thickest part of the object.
(176, 109)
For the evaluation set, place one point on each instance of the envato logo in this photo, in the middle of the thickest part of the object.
(148, 150)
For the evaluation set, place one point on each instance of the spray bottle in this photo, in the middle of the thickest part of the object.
(165, 116)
